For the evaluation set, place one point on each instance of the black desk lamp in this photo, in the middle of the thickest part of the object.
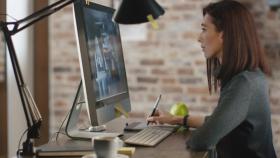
(32, 114)
(274, 4)
(136, 11)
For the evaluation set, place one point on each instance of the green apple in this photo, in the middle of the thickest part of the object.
(179, 109)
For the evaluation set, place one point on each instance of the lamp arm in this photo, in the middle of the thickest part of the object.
(31, 112)
(17, 72)
(38, 15)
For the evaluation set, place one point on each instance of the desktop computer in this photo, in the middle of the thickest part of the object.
(104, 83)
(103, 88)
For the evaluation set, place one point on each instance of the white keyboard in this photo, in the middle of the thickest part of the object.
(150, 136)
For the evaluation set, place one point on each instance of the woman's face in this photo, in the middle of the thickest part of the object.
(210, 39)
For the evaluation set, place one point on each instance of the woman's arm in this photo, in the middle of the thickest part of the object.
(194, 121)
(231, 111)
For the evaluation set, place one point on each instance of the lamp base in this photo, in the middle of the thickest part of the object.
(28, 148)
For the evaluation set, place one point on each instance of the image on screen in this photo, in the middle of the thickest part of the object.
(106, 58)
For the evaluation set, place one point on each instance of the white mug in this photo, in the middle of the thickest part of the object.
(106, 147)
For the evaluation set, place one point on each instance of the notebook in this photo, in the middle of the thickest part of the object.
(68, 148)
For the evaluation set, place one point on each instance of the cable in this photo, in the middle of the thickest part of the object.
(54, 135)
(20, 141)
(82, 102)
(58, 132)
(205, 155)
(9, 16)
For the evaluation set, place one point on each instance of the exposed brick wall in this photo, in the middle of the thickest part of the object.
(2, 57)
(169, 62)
(64, 65)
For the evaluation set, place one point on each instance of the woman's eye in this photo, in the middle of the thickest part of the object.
(203, 29)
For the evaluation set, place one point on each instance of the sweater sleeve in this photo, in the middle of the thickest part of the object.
(231, 111)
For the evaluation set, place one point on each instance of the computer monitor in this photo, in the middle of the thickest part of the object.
(101, 62)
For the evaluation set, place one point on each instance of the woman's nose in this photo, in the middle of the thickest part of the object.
(199, 38)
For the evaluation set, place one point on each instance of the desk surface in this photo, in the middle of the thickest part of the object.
(172, 146)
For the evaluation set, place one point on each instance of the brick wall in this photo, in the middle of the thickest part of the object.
(64, 65)
(169, 62)
(2, 57)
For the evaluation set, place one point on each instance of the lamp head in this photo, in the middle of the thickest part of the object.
(274, 4)
(137, 11)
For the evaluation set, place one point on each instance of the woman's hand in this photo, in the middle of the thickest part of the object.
(161, 117)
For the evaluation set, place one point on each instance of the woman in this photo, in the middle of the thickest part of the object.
(240, 126)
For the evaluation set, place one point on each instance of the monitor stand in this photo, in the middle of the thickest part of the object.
(97, 128)
(73, 131)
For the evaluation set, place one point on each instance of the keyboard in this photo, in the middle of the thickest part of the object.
(151, 136)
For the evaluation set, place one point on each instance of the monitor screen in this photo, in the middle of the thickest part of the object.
(105, 51)
(101, 61)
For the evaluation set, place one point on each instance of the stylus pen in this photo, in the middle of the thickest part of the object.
(155, 108)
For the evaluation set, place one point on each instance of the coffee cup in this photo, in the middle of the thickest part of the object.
(106, 147)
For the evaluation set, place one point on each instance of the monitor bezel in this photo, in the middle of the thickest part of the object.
(89, 93)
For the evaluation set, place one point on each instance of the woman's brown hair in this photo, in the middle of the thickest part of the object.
(241, 45)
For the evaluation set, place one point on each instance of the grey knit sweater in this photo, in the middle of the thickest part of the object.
(240, 126)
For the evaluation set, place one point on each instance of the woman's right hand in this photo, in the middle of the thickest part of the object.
(162, 117)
